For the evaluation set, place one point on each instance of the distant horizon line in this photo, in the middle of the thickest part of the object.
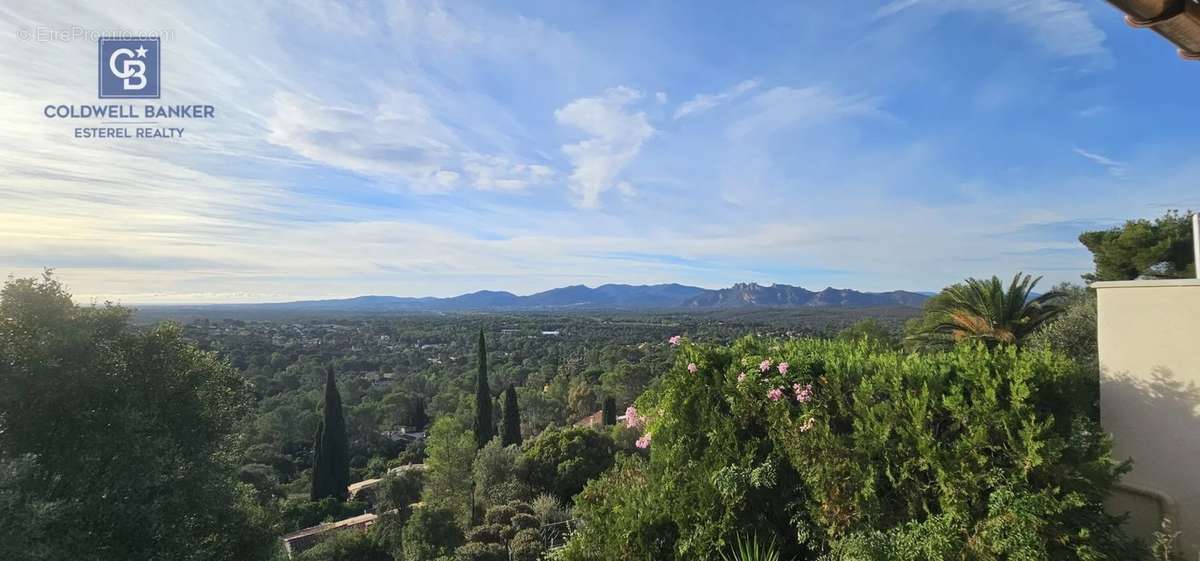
(300, 299)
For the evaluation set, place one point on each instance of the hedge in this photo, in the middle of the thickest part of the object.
(841, 450)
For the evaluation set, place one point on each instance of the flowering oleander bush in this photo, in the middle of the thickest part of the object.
(840, 450)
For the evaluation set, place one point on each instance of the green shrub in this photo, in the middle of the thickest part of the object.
(262, 478)
(624, 518)
(300, 513)
(488, 533)
(520, 507)
(346, 546)
(1073, 333)
(475, 551)
(400, 490)
(495, 472)
(937, 537)
(526, 546)
(524, 521)
(415, 453)
(430, 533)
(499, 515)
(562, 460)
(853, 451)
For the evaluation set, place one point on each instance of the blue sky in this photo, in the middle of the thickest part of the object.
(426, 148)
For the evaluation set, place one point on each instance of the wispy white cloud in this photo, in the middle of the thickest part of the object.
(1115, 168)
(616, 134)
(704, 102)
(784, 106)
(399, 138)
(1061, 27)
(495, 173)
(894, 7)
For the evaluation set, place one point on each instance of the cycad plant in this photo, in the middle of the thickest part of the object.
(984, 310)
(750, 549)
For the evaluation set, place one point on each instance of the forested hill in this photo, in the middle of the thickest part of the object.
(611, 297)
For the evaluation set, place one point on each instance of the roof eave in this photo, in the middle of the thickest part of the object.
(1176, 20)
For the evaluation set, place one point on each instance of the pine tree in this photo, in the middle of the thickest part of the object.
(510, 432)
(484, 429)
(331, 450)
(608, 415)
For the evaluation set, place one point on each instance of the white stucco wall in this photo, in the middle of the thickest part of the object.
(1149, 341)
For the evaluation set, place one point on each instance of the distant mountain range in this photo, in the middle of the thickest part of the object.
(618, 296)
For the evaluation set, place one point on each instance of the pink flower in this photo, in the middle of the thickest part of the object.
(741, 377)
(783, 367)
(808, 425)
(765, 365)
(803, 393)
(632, 419)
(674, 340)
(643, 442)
(693, 368)
(775, 394)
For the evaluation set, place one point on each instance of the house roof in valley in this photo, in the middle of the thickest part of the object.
(362, 519)
(594, 420)
(354, 488)
(407, 467)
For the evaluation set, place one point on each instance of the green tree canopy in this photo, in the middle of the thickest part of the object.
(430, 533)
(118, 437)
(1156, 248)
(495, 475)
(871, 331)
(448, 480)
(32, 522)
(562, 460)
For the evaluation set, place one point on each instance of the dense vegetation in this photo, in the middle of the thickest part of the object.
(402, 371)
(1159, 248)
(842, 451)
(115, 442)
(966, 430)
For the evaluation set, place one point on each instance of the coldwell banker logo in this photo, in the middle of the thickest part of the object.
(129, 68)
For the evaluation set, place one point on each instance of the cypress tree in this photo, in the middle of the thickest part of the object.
(608, 415)
(510, 432)
(484, 429)
(419, 419)
(331, 450)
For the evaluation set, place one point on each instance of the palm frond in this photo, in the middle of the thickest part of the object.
(986, 310)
